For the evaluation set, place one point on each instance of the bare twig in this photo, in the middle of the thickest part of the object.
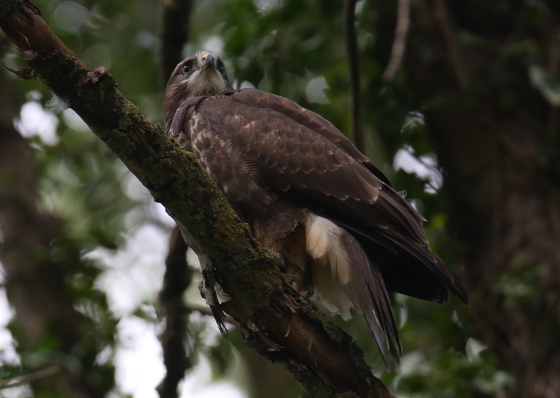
(452, 46)
(28, 378)
(399, 42)
(354, 61)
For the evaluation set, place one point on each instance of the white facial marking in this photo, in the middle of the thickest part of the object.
(207, 81)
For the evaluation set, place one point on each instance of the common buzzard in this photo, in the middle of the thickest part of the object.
(308, 194)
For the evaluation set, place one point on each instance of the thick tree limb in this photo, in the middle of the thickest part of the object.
(282, 325)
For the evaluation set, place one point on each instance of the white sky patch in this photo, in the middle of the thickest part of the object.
(56, 104)
(413, 363)
(214, 43)
(74, 121)
(424, 167)
(138, 359)
(8, 353)
(266, 6)
(197, 384)
(246, 84)
(134, 189)
(139, 366)
(359, 6)
(315, 90)
(150, 209)
(133, 274)
(160, 213)
(473, 348)
(35, 121)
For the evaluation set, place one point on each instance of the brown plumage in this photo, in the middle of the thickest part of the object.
(308, 194)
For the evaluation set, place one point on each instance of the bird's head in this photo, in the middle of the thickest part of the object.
(202, 73)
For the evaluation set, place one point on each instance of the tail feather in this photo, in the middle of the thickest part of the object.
(368, 293)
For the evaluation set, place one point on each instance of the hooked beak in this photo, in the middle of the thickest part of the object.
(208, 61)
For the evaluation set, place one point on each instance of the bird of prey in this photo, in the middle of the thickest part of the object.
(308, 194)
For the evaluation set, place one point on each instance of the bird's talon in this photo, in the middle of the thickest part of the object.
(296, 284)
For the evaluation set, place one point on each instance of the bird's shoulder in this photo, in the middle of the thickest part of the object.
(290, 121)
(253, 102)
(289, 146)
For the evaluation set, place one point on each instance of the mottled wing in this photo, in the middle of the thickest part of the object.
(211, 141)
(261, 147)
(300, 156)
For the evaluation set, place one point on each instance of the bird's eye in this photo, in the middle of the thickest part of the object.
(222, 70)
(186, 69)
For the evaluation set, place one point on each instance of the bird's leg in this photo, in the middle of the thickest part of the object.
(292, 249)
(295, 281)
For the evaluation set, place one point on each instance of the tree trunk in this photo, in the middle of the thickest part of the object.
(496, 137)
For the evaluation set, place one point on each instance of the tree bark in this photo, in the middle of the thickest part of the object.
(497, 138)
(281, 324)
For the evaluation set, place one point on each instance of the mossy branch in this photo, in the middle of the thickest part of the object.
(280, 324)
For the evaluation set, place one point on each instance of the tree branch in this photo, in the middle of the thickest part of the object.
(399, 42)
(28, 378)
(281, 324)
(177, 278)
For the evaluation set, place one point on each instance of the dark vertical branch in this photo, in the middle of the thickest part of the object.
(353, 59)
(175, 33)
(176, 280)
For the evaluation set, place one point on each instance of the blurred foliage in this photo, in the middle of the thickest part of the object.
(280, 47)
